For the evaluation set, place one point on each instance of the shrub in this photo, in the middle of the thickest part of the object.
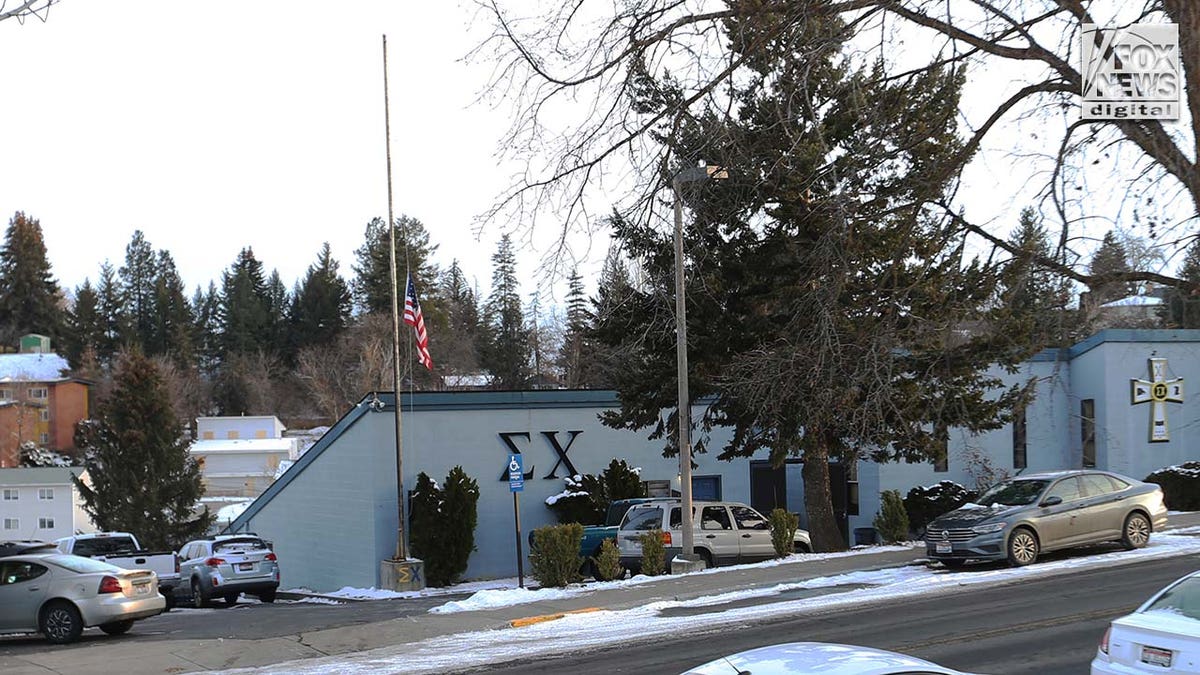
(924, 503)
(585, 498)
(608, 562)
(653, 553)
(555, 558)
(783, 531)
(1180, 485)
(441, 525)
(892, 521)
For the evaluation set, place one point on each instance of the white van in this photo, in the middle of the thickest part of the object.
(726, 533)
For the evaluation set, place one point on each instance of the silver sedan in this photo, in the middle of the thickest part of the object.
(59, 595)
(1020, 518)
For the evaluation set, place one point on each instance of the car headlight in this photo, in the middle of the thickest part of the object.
(989, 528)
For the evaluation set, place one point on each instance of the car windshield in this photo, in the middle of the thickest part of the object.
(1183, 599)
(82, 565)
(1013, 493)
(643, 518)
(103, 546)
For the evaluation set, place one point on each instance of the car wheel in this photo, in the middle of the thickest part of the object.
(199, 599)
(706, 556)
(60, 623)
(1136, 532)
(231, 599)
(953, 564)
(801, 547)
(1023, 547)
(267, 596)
(117, 627)
(169, 596)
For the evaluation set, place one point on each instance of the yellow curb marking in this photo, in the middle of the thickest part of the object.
(531, 620)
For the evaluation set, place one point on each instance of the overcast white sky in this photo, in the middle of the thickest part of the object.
(212, 127)
(215, 127)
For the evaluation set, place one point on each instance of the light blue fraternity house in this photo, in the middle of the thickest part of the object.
(1118, 401)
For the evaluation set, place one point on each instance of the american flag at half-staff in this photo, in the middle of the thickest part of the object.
(414, 318)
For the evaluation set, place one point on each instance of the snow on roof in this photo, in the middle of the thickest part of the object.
(32, 368)
(243, 445)
(1135, 301)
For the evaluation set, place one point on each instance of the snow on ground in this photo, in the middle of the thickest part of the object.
(581, 631)
(351, 593)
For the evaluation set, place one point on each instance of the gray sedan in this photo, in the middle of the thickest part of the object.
(1020, 518)
(59, 595)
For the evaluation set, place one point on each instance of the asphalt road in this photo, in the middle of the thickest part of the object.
(1042, 627)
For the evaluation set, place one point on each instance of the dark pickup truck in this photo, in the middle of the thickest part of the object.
(594, 535)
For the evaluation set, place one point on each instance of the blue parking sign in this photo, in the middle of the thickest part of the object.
(516, 473)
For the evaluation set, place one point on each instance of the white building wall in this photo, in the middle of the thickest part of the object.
(219, 428)
(29, 511)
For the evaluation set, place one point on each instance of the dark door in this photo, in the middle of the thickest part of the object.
(768, 487)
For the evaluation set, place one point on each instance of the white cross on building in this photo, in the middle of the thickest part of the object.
(1157, 392)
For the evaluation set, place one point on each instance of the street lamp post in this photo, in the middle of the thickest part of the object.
(687, 560)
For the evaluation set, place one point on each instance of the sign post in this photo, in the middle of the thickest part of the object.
(516, 483)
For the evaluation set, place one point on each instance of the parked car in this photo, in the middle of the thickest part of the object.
(595, 535)
(226, 566)
(1019, 519)
(726, 533)
(45, 591)
(1163, 635)
(123, 550)
(793, 658)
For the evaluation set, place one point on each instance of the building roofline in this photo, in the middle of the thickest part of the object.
(1133, 335)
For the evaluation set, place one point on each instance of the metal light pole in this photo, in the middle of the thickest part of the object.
(695, 174)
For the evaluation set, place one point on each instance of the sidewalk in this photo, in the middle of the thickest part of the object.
(134, 657)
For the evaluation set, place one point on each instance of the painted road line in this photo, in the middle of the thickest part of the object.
(531, 620)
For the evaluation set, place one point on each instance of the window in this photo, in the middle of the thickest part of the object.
(706, 488)
(11, 494)
(749, 519)
(37, 392)
(207, 435)
(643, 519)
(45, 494)
(677, 518)
(1019, 435)
(715, 518)
(232, 433)
(45, 414)
(1087, 430)
(260, 433)
(1067, 488)
(45, 523)
(14, 572)
(12, 523)
(5, 394)
(43, 438)
(1097, 485)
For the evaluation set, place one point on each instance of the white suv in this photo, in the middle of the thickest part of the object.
(726, 533)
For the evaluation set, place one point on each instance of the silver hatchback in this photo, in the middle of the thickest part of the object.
(227, 566)
(1019, 519)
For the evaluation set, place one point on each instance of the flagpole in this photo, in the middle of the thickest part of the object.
(401, 550)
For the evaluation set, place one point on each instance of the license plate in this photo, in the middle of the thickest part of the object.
(1156, 657)
(245, 566)
(943, 548)
(141, 589)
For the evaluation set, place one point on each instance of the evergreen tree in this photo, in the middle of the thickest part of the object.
(172, 330)
(1182, 309)
(137, 277)
(460, 516)
(110, 302)
(425, 522)
(506, 349)
(85, 328)
(279, 303)
(598, 360)
(579, 323)
(29, 295)
(321, 304)
(245, 309)
(372, 286)
(206, 332)
(825, 302)
(142, 478)
(458, 348)
(1110, 258)
(1034, 298)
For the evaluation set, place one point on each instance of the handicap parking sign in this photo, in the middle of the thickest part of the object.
(516, 473)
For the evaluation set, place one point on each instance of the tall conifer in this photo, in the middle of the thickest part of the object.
(29, 295)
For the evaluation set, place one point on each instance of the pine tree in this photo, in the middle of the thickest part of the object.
(506, 349)
(110, 302)
(1035, 299)
(85, 329)
(372, 286)
(172, 332)
(137, 277)
(142, 478)
(460, 516)
(279, 303)
(206, 331)
(458, 347)
(321, 304)
(29, 295)
(245, 307)
(579, 322)
(1110, 258)
(425, 522)
(1182, 309)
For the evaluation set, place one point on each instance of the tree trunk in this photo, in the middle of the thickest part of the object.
(818, 503)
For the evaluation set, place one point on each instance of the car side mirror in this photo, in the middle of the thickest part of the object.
(1051, 501)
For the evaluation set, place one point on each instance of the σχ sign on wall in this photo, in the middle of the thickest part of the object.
(560, 451)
